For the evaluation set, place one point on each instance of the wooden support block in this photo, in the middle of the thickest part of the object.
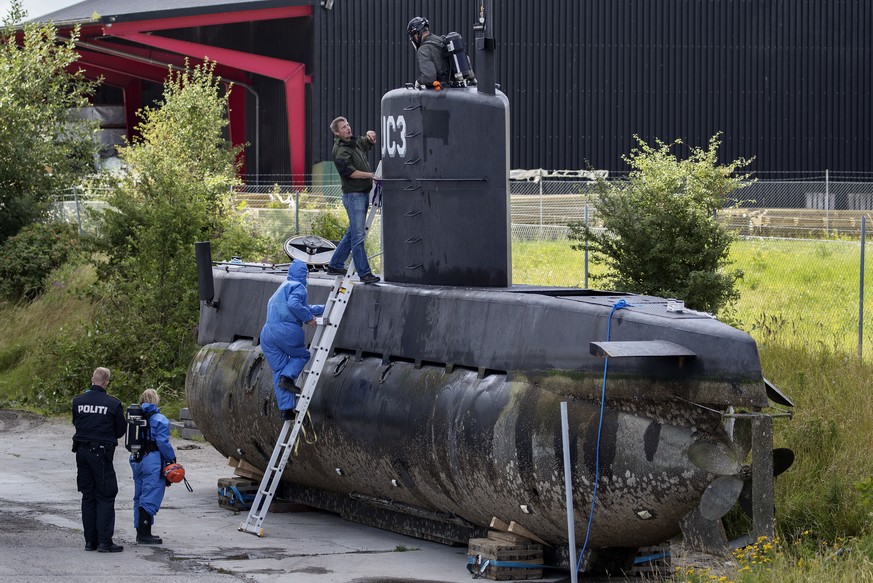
(498, 524)
(508, 537)
(505, 560)
(232, 462)
(516, 528)
(247, 470)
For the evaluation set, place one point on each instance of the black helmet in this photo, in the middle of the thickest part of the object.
(416, 25)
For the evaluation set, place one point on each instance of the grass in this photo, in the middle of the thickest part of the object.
(795, 292)
(26, 330)
(799, 300)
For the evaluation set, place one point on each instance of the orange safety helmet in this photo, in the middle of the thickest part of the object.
(174, 473)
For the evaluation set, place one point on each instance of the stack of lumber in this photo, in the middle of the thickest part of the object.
(510, 552)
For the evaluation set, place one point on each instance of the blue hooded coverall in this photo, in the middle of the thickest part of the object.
(149, 483)
(282, 338)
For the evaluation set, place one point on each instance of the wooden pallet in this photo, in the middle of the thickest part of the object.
(497, 549)
(236, 493)
(244, 469)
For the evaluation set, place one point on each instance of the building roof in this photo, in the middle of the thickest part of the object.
(106, 11)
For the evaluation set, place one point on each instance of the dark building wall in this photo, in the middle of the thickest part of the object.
(787, 82)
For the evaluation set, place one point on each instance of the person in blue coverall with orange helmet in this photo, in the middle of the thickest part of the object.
(282, 338)
(147, 466)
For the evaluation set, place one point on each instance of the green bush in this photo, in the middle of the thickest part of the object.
(661, 235)
(27, 259)
(330, 224)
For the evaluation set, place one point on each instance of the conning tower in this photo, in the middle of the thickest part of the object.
(445, 164)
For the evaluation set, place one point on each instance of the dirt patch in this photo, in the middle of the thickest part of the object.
(17, 421)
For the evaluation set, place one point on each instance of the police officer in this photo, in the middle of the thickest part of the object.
(99, 421)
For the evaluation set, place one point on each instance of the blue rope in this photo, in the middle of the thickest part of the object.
(620, 304)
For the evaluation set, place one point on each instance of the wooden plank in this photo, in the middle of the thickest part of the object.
(516, 528)
(249, 475)
(232, 462)
(248, 469)
(498, 524)
(508, 537)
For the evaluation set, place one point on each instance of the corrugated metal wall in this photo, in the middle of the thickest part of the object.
(786, 81)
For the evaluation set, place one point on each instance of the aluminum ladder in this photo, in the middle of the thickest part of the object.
(322, 342)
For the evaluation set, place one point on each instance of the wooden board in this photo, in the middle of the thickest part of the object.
(500, 551)
(508, 537)
(247, 470)
(516, 528)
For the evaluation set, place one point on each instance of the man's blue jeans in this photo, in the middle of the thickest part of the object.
(353, 241)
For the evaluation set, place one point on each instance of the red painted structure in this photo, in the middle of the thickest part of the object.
(143, 55)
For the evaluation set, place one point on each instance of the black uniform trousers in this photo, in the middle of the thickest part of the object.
(97, 482)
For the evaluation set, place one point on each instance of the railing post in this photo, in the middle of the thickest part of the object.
(861, 289)
(296, 212)
(78, 214)
(827, 205)
(541, 207)
(585, 268)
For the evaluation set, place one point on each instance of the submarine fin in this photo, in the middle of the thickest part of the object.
(640, 348)
(776, 395)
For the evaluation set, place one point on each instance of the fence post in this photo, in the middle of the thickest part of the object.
(541, 206)
(586, 248)
(861, 288)
(827, 205)
(296, 212)
(78, 214)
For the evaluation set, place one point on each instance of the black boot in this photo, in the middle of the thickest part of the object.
(144, 529)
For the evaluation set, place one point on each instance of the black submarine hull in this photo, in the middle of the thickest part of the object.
(443, 403)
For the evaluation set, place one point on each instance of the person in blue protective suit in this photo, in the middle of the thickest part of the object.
(147, 465)
(282, 338)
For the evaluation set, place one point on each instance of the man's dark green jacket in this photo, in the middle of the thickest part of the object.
(350, 156)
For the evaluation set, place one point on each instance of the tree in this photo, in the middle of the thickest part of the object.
(661, 235)
(43, 147)
(177, 189)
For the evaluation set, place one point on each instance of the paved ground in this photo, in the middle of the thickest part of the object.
(41, 535)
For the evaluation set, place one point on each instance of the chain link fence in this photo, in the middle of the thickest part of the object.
(799, 243)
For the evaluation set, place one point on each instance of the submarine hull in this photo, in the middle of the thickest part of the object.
(461, 446)
(406, 420)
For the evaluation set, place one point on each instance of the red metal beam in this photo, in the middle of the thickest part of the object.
(259, 64)
(163, 57)
(229, 17)
(291, 73)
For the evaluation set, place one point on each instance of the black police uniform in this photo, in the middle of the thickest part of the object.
(99, 421)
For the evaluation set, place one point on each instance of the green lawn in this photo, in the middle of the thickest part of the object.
(794, 291)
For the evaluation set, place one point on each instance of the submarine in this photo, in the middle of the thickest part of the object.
(439, 406)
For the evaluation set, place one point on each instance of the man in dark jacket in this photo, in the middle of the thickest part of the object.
(99, 421)
(433, 67)
(350, 157)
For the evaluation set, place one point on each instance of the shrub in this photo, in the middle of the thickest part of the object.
(27, 259)
(661, 235)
